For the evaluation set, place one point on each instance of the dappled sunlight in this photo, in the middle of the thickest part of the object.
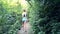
(16, 4)
(24, 3)
(12, 2)
(39, 16)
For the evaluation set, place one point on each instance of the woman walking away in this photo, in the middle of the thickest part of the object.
(24, 17)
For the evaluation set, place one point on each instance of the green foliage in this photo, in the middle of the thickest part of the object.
(10, 18)
(44, 16)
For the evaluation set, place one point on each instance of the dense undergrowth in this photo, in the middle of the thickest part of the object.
(10, 17)
(44, 16)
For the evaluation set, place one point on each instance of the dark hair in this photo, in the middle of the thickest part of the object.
(24, 10)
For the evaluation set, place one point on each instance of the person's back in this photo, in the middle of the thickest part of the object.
(24, 14)
(24, 17)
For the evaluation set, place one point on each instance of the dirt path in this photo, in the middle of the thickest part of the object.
(25, 29)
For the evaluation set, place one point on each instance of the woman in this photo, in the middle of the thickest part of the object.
(24, 17)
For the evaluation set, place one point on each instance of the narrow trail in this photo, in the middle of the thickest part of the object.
(25, 29)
